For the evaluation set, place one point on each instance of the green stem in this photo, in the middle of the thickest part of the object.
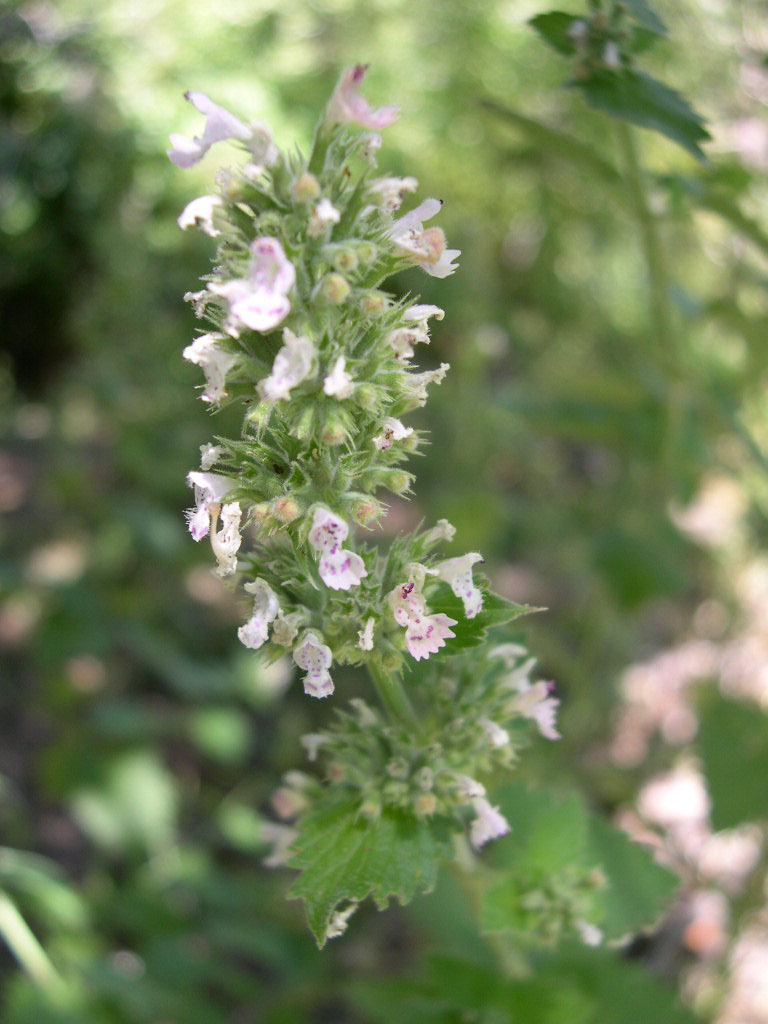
(392, 695)
(26, 948)
(663, 326)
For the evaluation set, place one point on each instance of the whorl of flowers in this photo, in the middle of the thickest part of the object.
(300, 336)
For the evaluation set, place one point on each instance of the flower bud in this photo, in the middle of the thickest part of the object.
(336, 771)
(285, 509)
(390, 661)
(342, 258)
(425, 778)
(302, 429)
(260, 513)
(371, 808)
(395, 480)
(305, 188)
(367, 252)
(397, 768)
(335, 289)
(367, 397)
(366, 510)
(425, 805)
(333, 431)
(374, 304)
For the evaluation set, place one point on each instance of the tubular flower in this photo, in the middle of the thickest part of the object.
(426, 248)
(339, 569)
(315, 658)
(537, 703)
(338, 383)
(292, 365)
(219, 125)
(210, 489)
(392, 430)
(214, 362)
(260, 300)
(489, 824)
(390, 192)
(199, 214)
(226, 541)
(458, 573)
(255, 631)
(347, 105)
(425, 634)
(324, 216)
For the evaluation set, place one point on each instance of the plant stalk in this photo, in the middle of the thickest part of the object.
(392, 695)
(26, 948)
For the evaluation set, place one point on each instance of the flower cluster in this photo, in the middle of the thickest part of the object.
(299, 335)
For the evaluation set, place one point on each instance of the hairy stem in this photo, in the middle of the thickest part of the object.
(25, 947)
(392, 694)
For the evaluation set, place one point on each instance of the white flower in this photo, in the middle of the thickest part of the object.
(210, 455)
(199, 300)
(390, 192)
(199, 214)
(219, 125)
(458, 573)
(260, 300)
(370, 144)
(322, 217)
(292, 365)
(426, 248)
(226, 541)
(442, 531)
(496, 736)
(589, 933)
(422, 313)
(338, 383)
(214, 362)
(210, 490)
(509, 653)
(469, 788)
(339, 569)
(312, 741)
(537, 703)
(365, 643)
(417, 383)
(338, 922)
(402, 340)
(281, 837)
(315, 658)
(489, 823)
(255, 631)
(347, 105)
(425, 634)
(393, 430)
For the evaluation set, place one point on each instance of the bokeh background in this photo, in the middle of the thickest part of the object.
(612, 473)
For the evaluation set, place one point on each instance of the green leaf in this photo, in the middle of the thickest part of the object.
(554, 28)
(734, 746)
(646, 16)
(343, 856)
(636, 97)
(555, 846)
(496, 611)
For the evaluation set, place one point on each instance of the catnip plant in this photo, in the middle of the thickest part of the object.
(300, 335)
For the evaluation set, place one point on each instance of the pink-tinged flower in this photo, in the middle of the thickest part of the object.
(219, 125)
(458, 573)
(390, 192)
(425, 634)
(215, 363)
(210, 490)
(347, 105)
(469, 788)
(255, 631)
(365, 641)
(392, 430)
(315, 658)
(424, 247)
(338, 383)
(339, 569)
(226, 542)
(324, 216)
(199, 214)
(282, 838)
(489, 823)
(292, 365)
(260, 300)
(537, 703)
(496, 736)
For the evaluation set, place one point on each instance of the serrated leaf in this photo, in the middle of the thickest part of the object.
(553, 836)
(734, 746)
(496, 611)
(637, 887)
(554, 28)
(634, 96)
(343, 856)
(646, 16)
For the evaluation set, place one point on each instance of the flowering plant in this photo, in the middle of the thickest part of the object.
(300, 335)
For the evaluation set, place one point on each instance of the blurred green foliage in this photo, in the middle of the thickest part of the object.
(606, 334)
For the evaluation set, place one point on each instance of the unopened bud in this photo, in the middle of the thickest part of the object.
(367, 252)
(365, 511)
(333, 431)
(390, 661)
(374, 304)
(395, 480)
(285, 509)
(260, 513)
(305, 188)
(397, 768)
(304, 427)
(371, 809)
(344, 260)
(335, 289)
(425, 778)
(425, 805)
(366, 396)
